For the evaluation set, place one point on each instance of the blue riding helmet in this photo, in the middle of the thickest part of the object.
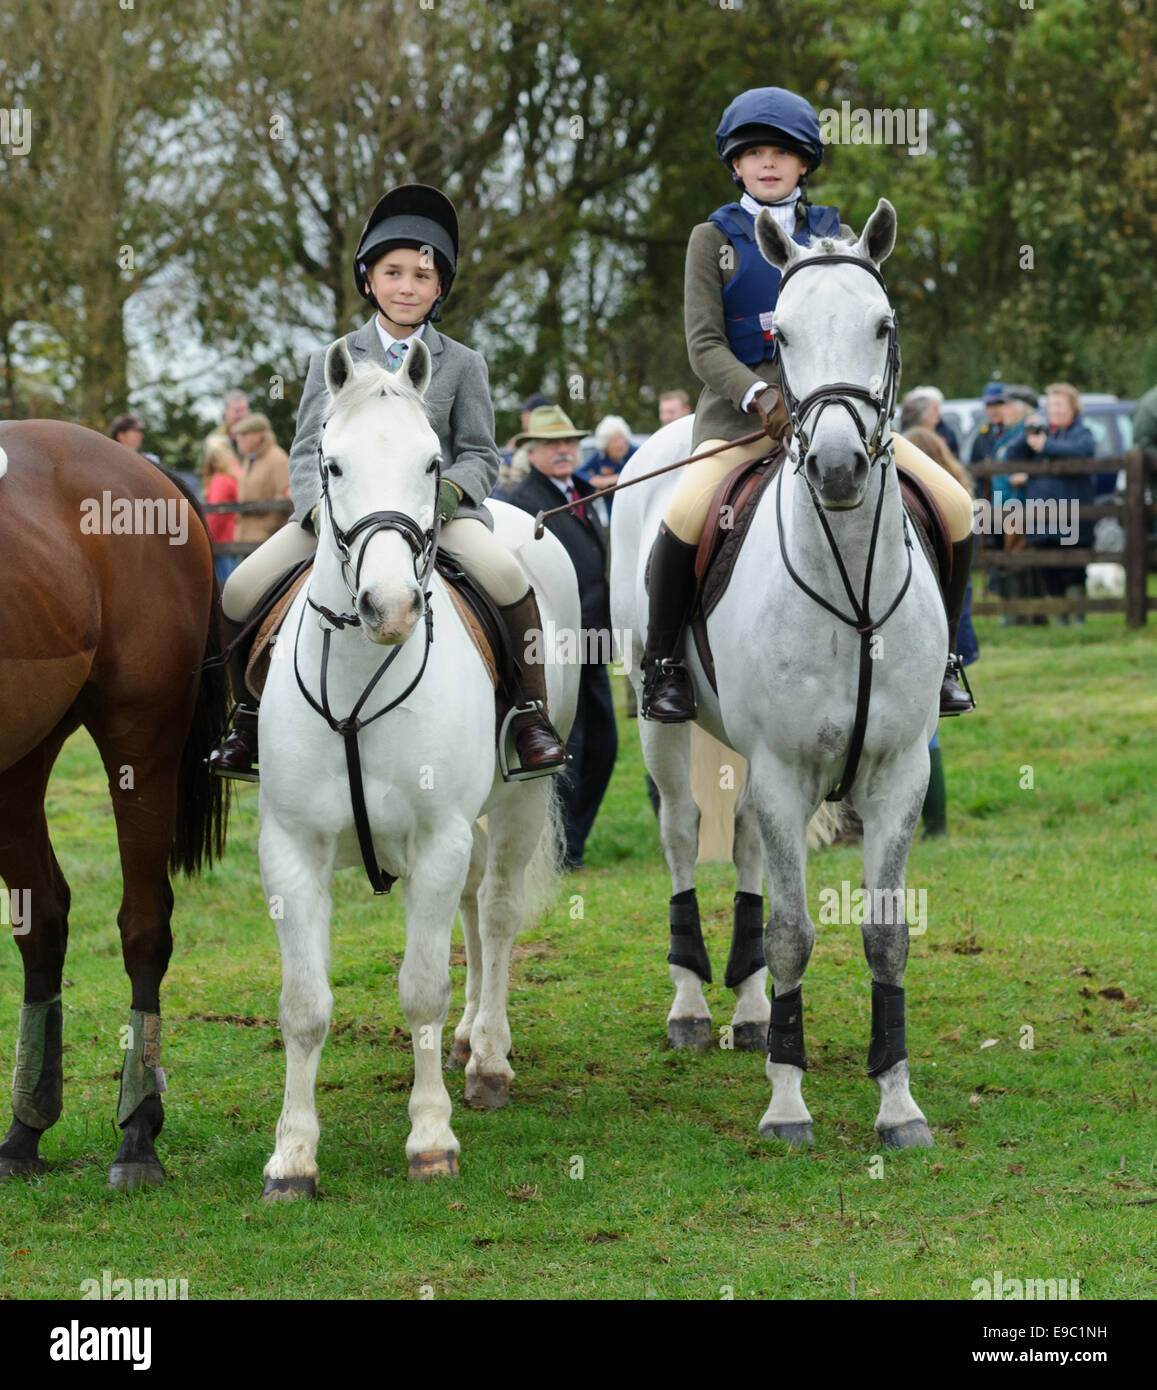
(766, 116)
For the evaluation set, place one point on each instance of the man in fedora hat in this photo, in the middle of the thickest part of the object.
(552, 445)
(264, 475)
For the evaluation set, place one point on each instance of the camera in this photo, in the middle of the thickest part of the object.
(1035, 424)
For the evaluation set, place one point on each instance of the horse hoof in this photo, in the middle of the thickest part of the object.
(125, 1176)
(442, 1163)
(21, 1167)
(912, 1134)
(798, 1134)
(692, 1034)
(749, 1037)
(288, 1189)
(459, 1056)
(487, 1092)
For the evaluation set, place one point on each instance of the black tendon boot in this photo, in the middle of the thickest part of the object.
(955, 696)
(236, 754)
(668, 697)
(540, 749)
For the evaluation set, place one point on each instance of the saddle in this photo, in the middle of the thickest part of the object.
(474, 605)
(729, 520)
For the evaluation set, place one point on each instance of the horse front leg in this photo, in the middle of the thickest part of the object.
(900, 1122)
(667, 753)
(433, 891)
(746, 966)
(787, 944)
(468, 911)
(297, 890)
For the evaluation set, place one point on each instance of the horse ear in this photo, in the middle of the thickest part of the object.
(418, 366)
(879, 236)
(339, 366)
(774, 243)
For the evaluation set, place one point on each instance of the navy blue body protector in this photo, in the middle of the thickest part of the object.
(749, 297)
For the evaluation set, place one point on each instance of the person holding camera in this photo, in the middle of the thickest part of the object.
(1058, 433)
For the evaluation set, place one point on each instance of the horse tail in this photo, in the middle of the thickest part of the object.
(202, 797)
(717, 777)
(543, 873)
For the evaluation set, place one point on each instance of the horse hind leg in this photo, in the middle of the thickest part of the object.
(667, 753)
(746, 965)
(38, 914)
(468, 911)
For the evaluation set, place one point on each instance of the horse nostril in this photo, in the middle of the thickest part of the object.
(369, 610)
(416, 602)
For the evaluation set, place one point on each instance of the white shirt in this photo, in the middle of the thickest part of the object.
(389, 342)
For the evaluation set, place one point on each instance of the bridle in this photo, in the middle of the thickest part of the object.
(883, 400)
(424, 548)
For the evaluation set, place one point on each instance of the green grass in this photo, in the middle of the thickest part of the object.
(1041, 913)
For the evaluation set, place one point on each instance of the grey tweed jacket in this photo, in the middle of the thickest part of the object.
(457, 402)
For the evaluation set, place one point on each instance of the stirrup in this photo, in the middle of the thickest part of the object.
(508, 751)
(226, 772)
(956, 666)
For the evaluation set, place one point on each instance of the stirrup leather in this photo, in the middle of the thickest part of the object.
(511, 769)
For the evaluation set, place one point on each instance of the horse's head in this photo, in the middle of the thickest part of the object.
(837, 347)
(379, 463)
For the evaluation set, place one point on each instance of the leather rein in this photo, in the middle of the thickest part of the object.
(843, 393)
(424, 546)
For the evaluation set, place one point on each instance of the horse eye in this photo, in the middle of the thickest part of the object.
(884, 329)
(435, 462)
(334, 471)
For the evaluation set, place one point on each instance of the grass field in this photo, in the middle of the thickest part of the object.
(1041, 911)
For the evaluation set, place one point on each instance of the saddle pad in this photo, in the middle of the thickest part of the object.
(928, 522)
(257, 670)
(261, 653)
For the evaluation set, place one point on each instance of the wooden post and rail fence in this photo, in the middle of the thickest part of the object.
(1133, 512)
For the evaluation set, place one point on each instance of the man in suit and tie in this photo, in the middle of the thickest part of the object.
(404, 267)
(551, 442)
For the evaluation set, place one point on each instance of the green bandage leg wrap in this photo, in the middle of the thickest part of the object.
(141, 1072)
(38, 1086)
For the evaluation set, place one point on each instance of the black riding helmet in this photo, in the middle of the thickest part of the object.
(416, 216)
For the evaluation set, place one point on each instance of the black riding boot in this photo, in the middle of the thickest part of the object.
(236, 754)
(536, 740)
(668, 697)
(955, 697)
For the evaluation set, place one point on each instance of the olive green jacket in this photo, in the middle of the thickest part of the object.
(725, 378)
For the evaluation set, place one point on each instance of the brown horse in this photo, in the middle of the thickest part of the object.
(108, 606)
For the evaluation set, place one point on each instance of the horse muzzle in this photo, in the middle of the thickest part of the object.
(839, 483)
(389, 620)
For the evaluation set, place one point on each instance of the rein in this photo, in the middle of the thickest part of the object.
(424, 546)
(883, 400)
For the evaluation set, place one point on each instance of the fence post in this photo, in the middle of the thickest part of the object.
(1136, 568)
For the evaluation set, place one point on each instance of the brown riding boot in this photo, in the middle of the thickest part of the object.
(538, 744)
(236, 754)
(955, 696)
(668, 696)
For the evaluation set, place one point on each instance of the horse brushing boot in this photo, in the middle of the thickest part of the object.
(955, 694)
(236, 754)
(537, 743)
(668, 697)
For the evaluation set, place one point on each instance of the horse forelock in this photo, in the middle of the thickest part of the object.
(370, 383)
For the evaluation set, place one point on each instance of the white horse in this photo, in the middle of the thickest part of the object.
(788, 664)
(428, 765)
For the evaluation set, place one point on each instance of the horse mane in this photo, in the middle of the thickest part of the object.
(370, 382)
